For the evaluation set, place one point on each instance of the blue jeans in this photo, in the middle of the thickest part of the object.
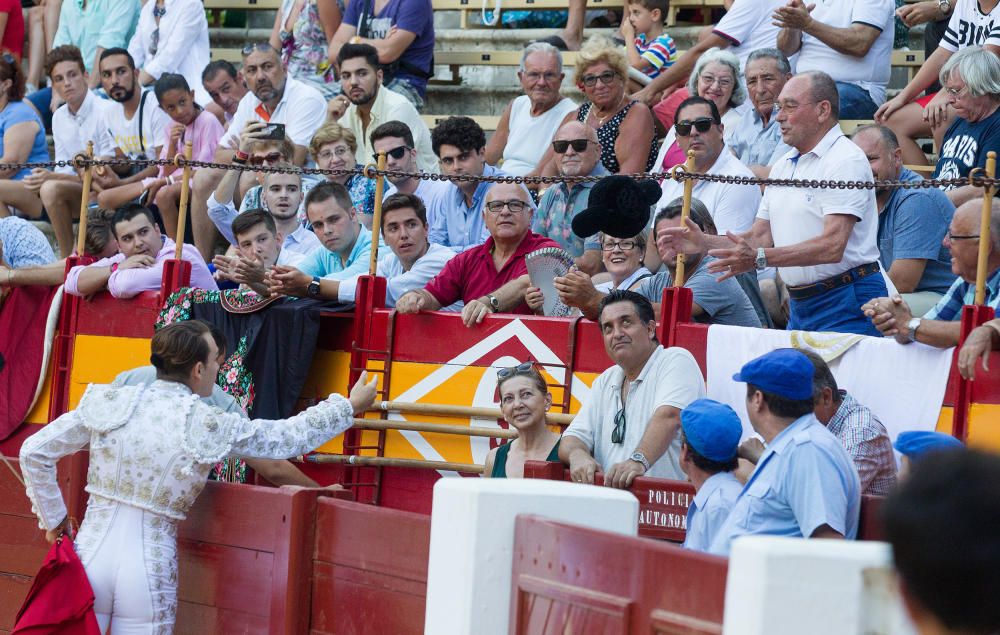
(855, 102)
(838, 310)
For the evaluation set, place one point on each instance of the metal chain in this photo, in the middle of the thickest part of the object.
(371, 171)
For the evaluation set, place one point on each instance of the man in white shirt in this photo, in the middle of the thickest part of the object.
(79, 120)
(225, 85)
(395, 140)
(628, 426)
(274, 98)
(850, 40)
(823, 241)
(135, 123)
(413, 261)
(372, 105)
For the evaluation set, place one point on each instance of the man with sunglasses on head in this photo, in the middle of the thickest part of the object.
(395, 140)
(492, 277)
(372, 104)
(456, 215)
(274, 98)
(822, 240)
(578, 153)
(628, 425)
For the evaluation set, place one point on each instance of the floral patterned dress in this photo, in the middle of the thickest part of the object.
(304, 49)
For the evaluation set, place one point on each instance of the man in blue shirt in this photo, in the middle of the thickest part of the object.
(911, 223)
(347, 247)
(805, 484)
(710, 435)
(455, 214)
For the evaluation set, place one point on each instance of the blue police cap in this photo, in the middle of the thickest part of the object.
(712, 429)
(914, 444)
(785, 372)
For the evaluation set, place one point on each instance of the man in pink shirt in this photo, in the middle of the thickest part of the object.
(492, 277)
(138, 266)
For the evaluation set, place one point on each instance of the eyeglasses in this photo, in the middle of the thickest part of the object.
(258, 46)
(790, 107)
(396, 153)
(339, 152)
(514, 205)
(534, 76)
(723, 82)
(956, 92)
(606, 78)
(520, 369)
(618, 433)
(270, 157)
(579, 145)
(624, 245)
(701, 124)
(953, 237)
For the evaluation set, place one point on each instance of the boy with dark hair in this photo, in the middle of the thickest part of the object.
(395, 140)
(648, 48)
(258, 243)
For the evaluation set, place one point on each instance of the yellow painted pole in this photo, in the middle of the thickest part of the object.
(88, 175)
(377, 217)
(182, 207)
(685, 212)
(984, 230)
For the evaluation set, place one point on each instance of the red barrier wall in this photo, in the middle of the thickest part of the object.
(570, 579)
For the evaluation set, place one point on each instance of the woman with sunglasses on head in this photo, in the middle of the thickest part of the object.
(22, 135)
(624, 126)
(333, 147)
(716, 77)
(524, 400)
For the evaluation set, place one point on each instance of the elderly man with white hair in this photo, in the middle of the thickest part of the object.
(529, 121)
(756, 138)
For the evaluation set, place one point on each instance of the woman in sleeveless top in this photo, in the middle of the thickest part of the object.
(624, 127)
(301, 33)
(524, 400)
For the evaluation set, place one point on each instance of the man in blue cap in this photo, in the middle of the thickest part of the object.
(805, 484)
(710, 434)
(915, 445)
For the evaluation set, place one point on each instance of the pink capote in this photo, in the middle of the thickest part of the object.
(60, 601)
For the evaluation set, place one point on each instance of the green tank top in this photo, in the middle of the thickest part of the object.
(500, 462)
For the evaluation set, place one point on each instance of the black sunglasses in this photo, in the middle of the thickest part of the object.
(520, 369)
(395, 153)
(618, 433)
(270, 157)
(701, 124)
(579, 145)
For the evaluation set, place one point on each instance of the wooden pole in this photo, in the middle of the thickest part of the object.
(377, 218)
(88, 175)
(442, 428)
(685, 213)
(380, 461)
(984, 231)
(459, 411)
(182, 207)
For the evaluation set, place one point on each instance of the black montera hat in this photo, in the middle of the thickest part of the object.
(619, 206)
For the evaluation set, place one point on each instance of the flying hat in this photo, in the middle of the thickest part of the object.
(618, 206)
(915, 444)
(712, 429)
(785, 372)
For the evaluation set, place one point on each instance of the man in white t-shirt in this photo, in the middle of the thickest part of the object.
(849, 40)
(628, 425)
(823, 241)
(135, 123)
(530, 121)
(747, 26)
(274, 98)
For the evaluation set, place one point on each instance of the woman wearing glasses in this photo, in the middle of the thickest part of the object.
(524, 400)
(624, 126)
(333, 147)
(716, 77)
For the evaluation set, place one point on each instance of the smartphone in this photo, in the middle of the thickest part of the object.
(274, 131)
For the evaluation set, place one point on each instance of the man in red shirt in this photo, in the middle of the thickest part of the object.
(492, 277)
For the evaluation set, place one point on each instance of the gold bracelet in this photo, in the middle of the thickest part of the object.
(355, 40)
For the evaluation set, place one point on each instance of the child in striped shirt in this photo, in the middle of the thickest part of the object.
(648, 48)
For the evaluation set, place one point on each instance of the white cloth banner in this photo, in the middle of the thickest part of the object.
(903, 385)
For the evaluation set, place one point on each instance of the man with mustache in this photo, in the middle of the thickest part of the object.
(756, 139)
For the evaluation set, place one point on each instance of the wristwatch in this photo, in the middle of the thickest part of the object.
(944, 6)
(639, 457)
(313, 288)
(761, 261)
(494, 302)
(912, 327)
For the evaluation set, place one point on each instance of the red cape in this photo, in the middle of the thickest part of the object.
(23, 317)
(60, 601)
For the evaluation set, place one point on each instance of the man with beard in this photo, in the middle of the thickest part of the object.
(274, 98)
(373, 105)
(138, 266)
(135, 123)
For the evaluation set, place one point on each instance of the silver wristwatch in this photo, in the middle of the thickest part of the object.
(761, 261)
(944, 6)
(912, 327)
(639, 457)
(494, 302)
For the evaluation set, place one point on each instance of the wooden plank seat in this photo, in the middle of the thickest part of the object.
(216, 7)
(708, 5)
(468, 7)
(487, 122)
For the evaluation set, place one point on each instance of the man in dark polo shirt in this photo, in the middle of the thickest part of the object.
(492, 277)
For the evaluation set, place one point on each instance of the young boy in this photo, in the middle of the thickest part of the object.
(258, 245)
(648, 48)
